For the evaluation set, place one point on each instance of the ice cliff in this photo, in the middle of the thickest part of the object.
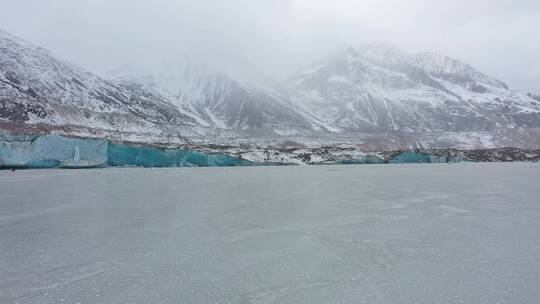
(35, 151)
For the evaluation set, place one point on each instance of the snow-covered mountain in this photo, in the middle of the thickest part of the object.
(38, 88)
(373, 96)
(217, 100)
(379, 88)
(534, 96)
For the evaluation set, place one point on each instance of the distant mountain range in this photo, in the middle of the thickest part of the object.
(374, 97)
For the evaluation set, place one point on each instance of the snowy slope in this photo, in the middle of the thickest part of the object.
(375, 97)
(37, 87)
(222, 101)
(379, 88)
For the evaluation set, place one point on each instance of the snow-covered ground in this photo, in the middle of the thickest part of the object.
(463, 233)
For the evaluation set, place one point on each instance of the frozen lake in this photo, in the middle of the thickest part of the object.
(464, 233)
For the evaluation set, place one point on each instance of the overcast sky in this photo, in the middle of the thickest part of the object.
(499, 37)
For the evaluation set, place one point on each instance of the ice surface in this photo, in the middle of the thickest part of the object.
(463, 233)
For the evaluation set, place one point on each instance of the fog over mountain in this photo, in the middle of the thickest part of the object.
(277, 38)
(375, 96)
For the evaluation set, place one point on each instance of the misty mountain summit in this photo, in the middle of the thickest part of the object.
(373, 90)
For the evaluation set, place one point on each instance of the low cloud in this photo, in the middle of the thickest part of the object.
(498, 37)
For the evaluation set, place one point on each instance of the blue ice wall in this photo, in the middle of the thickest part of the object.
(360, 161)
(123, 155)
(367, 159)
(374, 159)
(411, 157)
(438, 159)
(47, 151)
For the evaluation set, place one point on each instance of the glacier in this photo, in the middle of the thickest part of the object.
(49, 151)
(363, 160)
(33, 151)
(123, 155)
(411, 157)
(372, 95)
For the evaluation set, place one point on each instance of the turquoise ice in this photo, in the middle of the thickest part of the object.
(411, 157)
(49, 151)
(122, 155)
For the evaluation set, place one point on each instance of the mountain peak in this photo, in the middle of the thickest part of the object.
(379, 53)
(373, 89)
(444, 66)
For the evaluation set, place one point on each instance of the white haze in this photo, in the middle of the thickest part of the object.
(499, 37)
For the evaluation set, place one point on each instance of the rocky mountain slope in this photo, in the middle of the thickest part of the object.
(377, 88)
(217, 100)
(375, 97)
(38, 88)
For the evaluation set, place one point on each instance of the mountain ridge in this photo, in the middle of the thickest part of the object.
(400, 83)
(356, 96)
